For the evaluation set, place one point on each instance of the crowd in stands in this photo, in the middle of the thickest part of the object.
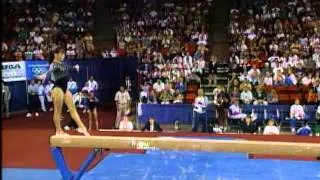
(275, 44)
(33, 28)
(170, 39)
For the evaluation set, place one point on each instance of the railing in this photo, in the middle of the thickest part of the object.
(169, 113)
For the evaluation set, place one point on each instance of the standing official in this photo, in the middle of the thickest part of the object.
(41, 94)
(33, 105)
(6, 96)
(47, 91)
(199, 112)
(123, 101)
(93, 84)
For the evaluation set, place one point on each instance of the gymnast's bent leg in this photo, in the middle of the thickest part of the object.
(73, 113)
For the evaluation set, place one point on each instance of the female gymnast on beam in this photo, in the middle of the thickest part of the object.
(59, 74)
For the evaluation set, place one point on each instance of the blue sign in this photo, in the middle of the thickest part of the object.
(36, 68)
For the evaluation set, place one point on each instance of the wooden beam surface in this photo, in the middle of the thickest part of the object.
(172, 143)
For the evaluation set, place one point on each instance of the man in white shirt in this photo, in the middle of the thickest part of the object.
(41, 94)
(199, 112)
(93, 84)
(158, 86)
(253, 74)
(296, 113)
(72, 86)
(268, 80)
(123, 100)
(188, 60)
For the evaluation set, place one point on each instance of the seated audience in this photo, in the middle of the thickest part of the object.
(296, 114)
(248, 126)
(305, 130)
(318, 113)
(151, 125)
(125, 124)
(235, 111)
(259, 96)
(272, 97)
(271, 129)
(246, 96)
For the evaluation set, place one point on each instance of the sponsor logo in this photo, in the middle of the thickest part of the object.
(11, 66)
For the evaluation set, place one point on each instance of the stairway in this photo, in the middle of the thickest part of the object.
(218, 30)
(103, 33)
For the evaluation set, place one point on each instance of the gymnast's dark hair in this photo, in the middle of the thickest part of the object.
(55, 51)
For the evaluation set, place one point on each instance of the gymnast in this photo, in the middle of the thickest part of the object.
(59, 74)
(93, 112)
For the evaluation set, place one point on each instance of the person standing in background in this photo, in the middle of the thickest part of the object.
(41, 94)
(221, 102)
(33, 105)
(93, 84)
(123, 100)
(72, 86)
(6, 96)
(47, 91)
(128, 83)
(199, 112)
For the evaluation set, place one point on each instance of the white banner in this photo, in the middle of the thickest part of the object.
(14, 71)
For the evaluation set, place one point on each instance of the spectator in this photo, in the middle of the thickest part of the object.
(318, 113)
(93, 84)
(305, 130)
(271, 129)
(72, 86)
(248, 127)
(47, 90)
(6, 97)
(246, 96)
(41, 95)
(296, 114)
(272, 97)
(33, 105)
(235, 111)
(166, 96)
(260, 97)
(152, 125)
(125, 124)
(123, 101)
(199, 111)
(158, 86)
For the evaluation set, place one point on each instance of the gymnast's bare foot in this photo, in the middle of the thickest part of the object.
(61, 133)
(83, 131)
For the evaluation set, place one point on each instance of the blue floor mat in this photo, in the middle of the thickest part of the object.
(30, 174)
(183, 165)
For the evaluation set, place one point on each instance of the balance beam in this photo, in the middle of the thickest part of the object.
(171, 143)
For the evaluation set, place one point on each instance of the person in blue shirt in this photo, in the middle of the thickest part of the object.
(304, 130)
